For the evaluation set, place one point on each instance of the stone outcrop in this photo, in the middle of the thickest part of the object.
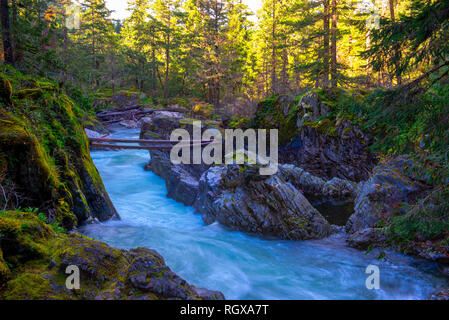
(160, 124)
(46, 162)
(238, 197)
(181, 180)
(442, 295)
(380, 196)
(40, 257)
(365, 238)
(331, 148)
(316, 187)
(312, 138)
(390, 192)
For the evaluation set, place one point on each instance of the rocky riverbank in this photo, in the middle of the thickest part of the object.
(49, 187)
(330, 162)
(34, 258)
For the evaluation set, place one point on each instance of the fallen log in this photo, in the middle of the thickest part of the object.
(117, 109)
(145, 140)
(130, 113)
(117, 146)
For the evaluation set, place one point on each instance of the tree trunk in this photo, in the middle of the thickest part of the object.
(391, 3)
(153, 59)
(326, 44)
(167, 58)
(392, 16)
(334, 45)
(94, 58)
(273, 54)
(8, 50)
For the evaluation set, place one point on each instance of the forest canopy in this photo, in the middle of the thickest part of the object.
(213, 50)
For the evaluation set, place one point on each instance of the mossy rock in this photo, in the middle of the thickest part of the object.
(45, 145)
(277, 112)
(325, 126)
(5, 272)
(39, 257)
(5, 91)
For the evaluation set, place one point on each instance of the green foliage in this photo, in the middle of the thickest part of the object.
(417, 125)
(420, 36)
(239, 123)
(426, 220)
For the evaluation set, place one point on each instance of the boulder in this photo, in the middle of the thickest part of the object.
(442, 294)
(311, 107)
(128, 124)
(181, 180)
(93, 134)
(330, 148)
(381, 195)
(316, 187)
(160, 124)
(365, 238)
(238, 197)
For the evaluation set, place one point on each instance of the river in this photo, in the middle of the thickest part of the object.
(240, 265)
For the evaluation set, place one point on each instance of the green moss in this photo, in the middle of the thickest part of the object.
(28, 93)
(5, 91)
(345, 132)
(28, 286)
(325, 126)
(270, 115)
(43, 132)
(35, 259)
(5, 272)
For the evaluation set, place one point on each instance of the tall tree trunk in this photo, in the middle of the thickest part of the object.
(215, 79)
(153, 61)
(8, 50)
(94, 58)
(334, 45)
(392, 16)
(284, 77)
(391, 5)
(64, 55)
(167, 58)
(326, 44)
(273, 54)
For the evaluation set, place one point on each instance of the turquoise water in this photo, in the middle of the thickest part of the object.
(242, 266)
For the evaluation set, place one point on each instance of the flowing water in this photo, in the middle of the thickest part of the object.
(242, 266)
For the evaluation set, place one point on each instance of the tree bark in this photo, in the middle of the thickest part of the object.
(391, 4)
(273, 54)
(8, 50)
(326, 44)
(167, 58)
(153, 61)
(392, 16)
(334, 45)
